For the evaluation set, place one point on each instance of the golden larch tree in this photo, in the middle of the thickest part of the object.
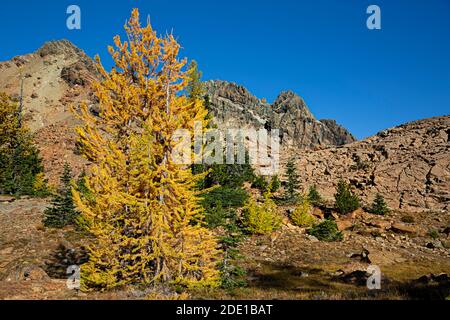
(142, 204)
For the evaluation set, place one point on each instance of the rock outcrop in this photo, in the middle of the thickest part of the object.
(409, 165)
(340, 135)
(235, 107)
(55, 77)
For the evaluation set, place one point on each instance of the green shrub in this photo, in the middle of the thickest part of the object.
(314, 196)
(230, 175)
(275, 184)
(261, 219)
(21, 169)
(326, 231)
(301, 215)
(407, 219)
(346, 200)
(379, 206)
(434, 234)
(220, 204)
(232, 275)
(215, 216)
(261, 184)
(228, 197)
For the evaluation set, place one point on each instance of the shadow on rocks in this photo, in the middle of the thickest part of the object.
(63, 257)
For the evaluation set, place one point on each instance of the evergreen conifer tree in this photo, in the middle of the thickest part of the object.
(232, 274)
(346, 200)
(195, 88)
(275, 184)
(314, 196)
(62, 210)
(21, 170)
(379, 206)
(292, 181)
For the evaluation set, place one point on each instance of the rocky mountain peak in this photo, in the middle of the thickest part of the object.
(81, 71)
(57, 47)
(232, 91)
(54, 77)
(289, 100)
(234, 106)
(342, 135)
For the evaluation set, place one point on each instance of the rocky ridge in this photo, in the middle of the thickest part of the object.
(235, 107)
(409, 165)
(55, 76)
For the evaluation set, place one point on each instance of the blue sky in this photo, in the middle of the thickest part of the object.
(367, 80)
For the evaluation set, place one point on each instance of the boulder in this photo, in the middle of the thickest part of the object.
(312, 238)
(446, 231)
(334, 215)
(363, 256)
(409, 167)
(316, 212)
(6, 199)
(6, 251)
(357, 277)
(436, 278)
(403, 228)
(344, 224)
(381, 224)
(27, 272)
(353, 215)
(436, 244)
